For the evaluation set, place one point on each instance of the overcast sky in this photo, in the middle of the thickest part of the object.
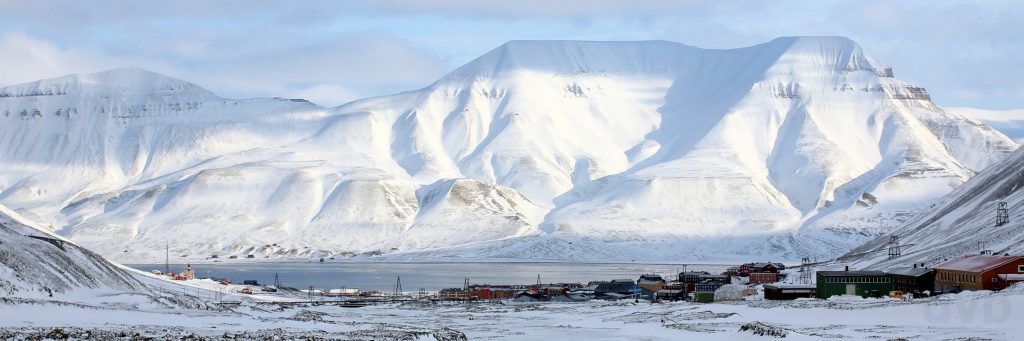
(965, 53)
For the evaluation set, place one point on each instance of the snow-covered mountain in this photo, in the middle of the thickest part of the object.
(559, 150)
(962, 223)
(36, 263)
(1008, 122)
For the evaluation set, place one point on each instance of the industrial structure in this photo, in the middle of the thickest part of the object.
(1002, 214)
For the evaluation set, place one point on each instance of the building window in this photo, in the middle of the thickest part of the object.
(1020, 268)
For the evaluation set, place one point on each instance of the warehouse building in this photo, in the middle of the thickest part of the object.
(919, 281)
(860, 283)
(976, 272)
(784, 291)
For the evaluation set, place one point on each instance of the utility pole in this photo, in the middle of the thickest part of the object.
(1002, 214)
(398, 287)
(805, 270)
(167, 257)
(894, 247)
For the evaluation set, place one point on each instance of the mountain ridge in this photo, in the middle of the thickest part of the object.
(808, 143)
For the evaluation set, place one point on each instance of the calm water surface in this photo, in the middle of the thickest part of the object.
(429, 276)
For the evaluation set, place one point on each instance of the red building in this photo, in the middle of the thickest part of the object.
(763, 277)
(977, 272)
(453, 294)
(749, 268)
(482, 294)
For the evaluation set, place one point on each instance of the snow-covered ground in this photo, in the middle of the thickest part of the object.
(983, 315)
(68, 292)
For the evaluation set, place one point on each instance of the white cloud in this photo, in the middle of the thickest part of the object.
(965, 53)
(24, 59)
(329, 72)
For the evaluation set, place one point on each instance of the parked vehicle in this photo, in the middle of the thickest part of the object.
(247, 291)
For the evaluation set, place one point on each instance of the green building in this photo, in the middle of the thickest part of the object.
(860, 283)
(704, 297)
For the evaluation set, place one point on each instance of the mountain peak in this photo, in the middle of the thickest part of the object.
(841, 53)
(659, 56)
(572, 57)
(124, 80)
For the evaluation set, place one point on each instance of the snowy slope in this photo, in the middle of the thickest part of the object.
(36, 263)
(1008, 122)
(807, 142)
(551, 150)
(961, 223)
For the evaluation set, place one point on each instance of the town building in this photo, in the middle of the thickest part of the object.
(650, 285)
(783, 291)
(709, 278)
(917, 280)
(763, 277)
(704, 297)
(1007, 280)
(749, 268)
(453, 294)
(976, 272)
(860, 283)
(707, 287)
(617, 286)
(692, 277)
(671, 295)
(188, 274)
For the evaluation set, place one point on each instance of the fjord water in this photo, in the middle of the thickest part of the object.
(429, 276)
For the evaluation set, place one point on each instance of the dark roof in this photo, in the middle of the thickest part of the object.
(790, 286)
(976, 263)
(713, 276)
(850, 273)
(764, 264)
(912, 272)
